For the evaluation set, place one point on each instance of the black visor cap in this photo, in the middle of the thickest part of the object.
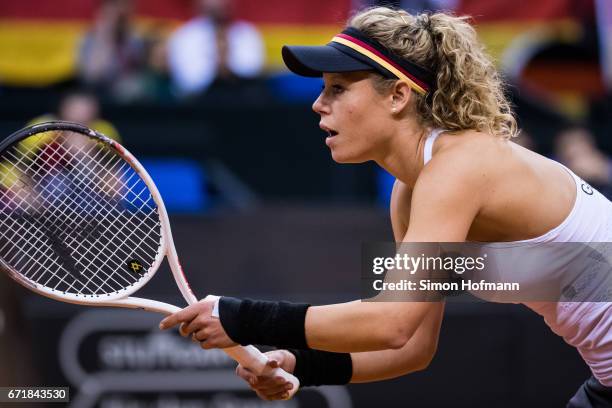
(313, 61)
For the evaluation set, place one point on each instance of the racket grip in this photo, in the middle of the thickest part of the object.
(254, 360)
(251, 358)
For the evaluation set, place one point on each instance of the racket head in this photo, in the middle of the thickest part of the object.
(80, 219)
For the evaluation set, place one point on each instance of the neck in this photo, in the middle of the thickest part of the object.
(403, 154)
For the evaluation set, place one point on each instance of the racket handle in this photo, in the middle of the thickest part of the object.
(251, 358)
(254, 360)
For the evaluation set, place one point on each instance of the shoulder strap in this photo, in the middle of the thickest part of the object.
(429, 144)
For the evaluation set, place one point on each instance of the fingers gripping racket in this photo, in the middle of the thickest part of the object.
(81, 221)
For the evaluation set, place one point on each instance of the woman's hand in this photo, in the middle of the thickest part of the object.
(271, 388)
(197, 321)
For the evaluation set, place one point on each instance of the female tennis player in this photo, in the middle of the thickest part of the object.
(419, 96)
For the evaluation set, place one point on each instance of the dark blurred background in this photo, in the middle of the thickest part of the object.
(196, 89)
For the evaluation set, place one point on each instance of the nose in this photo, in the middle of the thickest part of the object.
(319, 105)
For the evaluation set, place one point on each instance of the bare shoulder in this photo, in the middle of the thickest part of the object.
(463, 156)
(463, 165)
(469, 146)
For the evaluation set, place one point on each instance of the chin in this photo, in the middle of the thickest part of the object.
(345, 158)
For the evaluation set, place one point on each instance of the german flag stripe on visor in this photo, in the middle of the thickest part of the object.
(352, 50)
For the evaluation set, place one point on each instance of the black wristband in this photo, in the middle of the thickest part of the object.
(278, 324)
(315, 367)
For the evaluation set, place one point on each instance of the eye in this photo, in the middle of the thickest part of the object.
(337, 89)
(334, 89)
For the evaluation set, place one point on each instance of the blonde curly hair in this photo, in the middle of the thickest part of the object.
(468, 92)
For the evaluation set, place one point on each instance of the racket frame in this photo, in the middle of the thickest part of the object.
(121, 297)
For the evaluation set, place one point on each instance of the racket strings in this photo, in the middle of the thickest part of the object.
(84, 220)
(105, 211)
(27, 232)
(78, 218)
(87, 231)
(38, 230)
(73, 200)
(42, 229)
(41, 252)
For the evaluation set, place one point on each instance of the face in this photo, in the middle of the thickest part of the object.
(355, 116)
(218, 10)
(118, 9)
(79, 108)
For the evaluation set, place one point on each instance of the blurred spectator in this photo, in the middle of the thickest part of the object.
(82, 107)
(77, 106)
(604, 23)
(411, 6)
(212, 46)
(156, 81)
(112, 53)
(575, 147)
(417, 6)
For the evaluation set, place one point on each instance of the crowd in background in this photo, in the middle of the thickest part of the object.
(215, 55)
(127, 65)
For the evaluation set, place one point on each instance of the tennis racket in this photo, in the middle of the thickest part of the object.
(81, 221)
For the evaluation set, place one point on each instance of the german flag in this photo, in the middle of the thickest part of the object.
(39, 39)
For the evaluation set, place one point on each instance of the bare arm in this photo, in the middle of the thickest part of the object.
(363, 326)
(367, 367)
(420, 349)
(416, 354)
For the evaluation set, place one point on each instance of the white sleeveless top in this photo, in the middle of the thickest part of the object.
(584, 325)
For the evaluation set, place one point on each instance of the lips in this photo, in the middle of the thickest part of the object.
(330, 132)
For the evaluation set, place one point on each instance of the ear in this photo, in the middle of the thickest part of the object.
(401, 94)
